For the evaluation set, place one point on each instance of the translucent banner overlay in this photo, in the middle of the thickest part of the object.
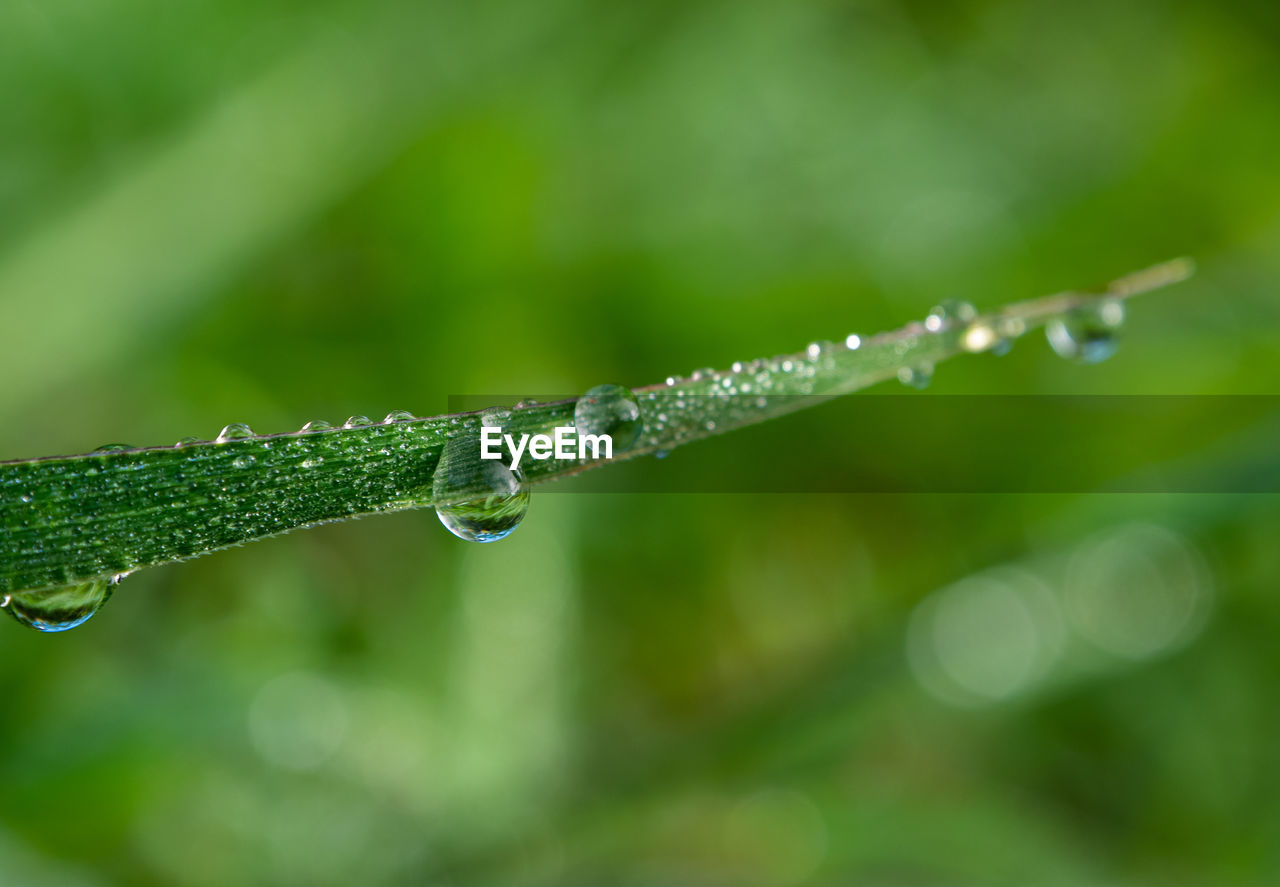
(923, 443)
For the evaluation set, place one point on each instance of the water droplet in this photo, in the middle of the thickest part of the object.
(853, 342)
(702, 373)
(950, 310)
(916, 377)
(59, 609)
(26, 497)
(661, 454)
(187, 441)
(526, 403)
(711, 425)
(495, 417)
(612, 410)
(357, 421)
(737, 366)
(113, 448)
(398, 416)
(242, 461)
(1089, 334)
(979, 337)
(315, 425)
(312, 462)
(817, 349)
(671, 381)
(235, 431)
(485, 499)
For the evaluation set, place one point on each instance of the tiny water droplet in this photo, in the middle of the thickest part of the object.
(187, 441)
(817, 349)
(312, 462)
(315, 425)
(113, 448)
(25, 497)
(711, 425)
(980, 336)
(671, 381)
(702, 373)
(398, 416)
(484, 499)
(737, 366)
(853, 342)
(526, 403)
(1089, 334)
(242, 461)
(59, 609)
(612, 410)
(235, 431)
(357, 421)
(917, 376)
(661, 454)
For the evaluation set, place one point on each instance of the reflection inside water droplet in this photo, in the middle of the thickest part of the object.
(59, 609)
(484, 500)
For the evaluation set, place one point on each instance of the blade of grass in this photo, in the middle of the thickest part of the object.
(69, 519)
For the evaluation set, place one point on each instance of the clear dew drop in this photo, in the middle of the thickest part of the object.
(495, 417)
(948, 311)
(398, 416)
(59, 609)
(489, 499)
(612, 410)
(702, 373)
(235, 431)
(315, 425)
(1089, 334)
(917, 376)
(816, 350)
(357, 421)
(853, 341)
(526, 403)
(113, 448)
(187, 441)
(242, 461)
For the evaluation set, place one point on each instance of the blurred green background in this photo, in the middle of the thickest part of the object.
(274, 212)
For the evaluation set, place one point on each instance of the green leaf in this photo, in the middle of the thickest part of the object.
(68, 520)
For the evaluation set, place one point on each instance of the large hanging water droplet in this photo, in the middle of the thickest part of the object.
(484, 499)
(611, 410)
(59, 609)
(1089, 334)
(235, 431)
